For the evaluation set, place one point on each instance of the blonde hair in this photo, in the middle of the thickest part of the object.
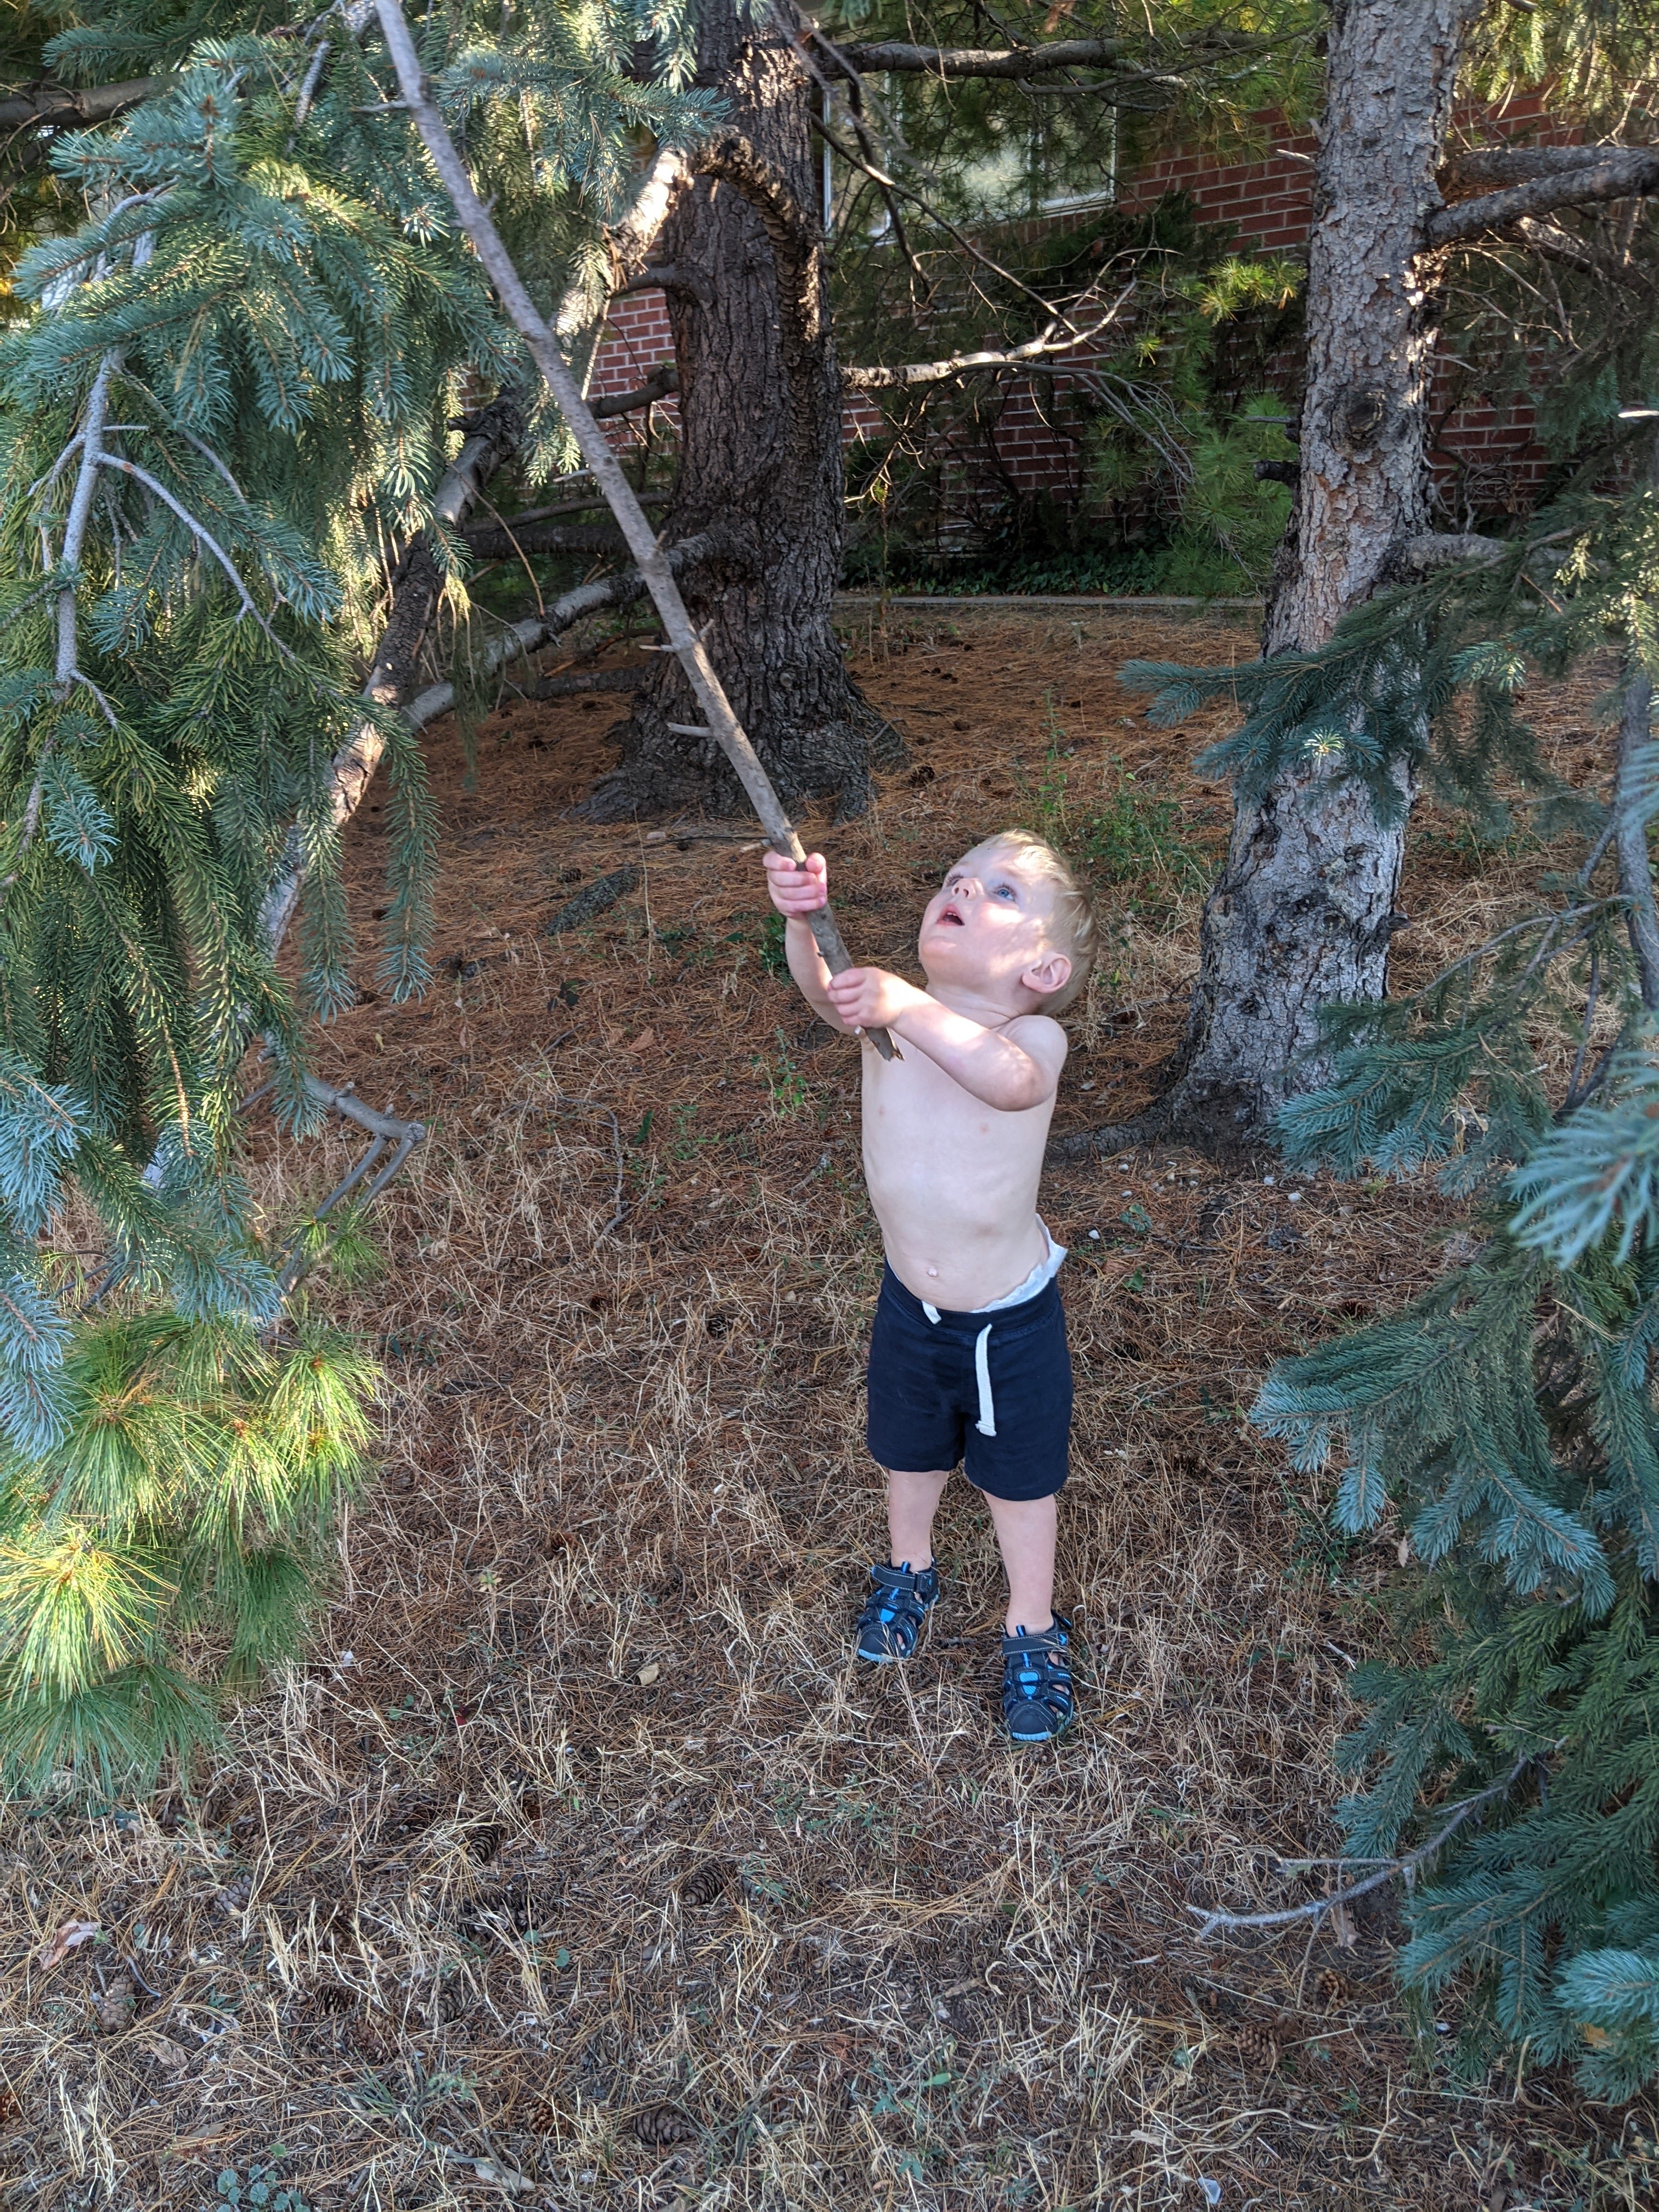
(1075, 912)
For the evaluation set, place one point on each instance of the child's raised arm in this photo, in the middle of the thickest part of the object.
(796, 892)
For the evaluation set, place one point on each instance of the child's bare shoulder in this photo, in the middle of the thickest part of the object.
(1040, 1035)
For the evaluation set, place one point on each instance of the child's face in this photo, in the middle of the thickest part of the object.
(991, 927)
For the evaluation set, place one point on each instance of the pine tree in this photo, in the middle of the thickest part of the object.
(230, 387)
(1508, 1416)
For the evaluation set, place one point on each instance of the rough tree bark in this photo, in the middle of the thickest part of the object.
(760, 455)
(1302, 912)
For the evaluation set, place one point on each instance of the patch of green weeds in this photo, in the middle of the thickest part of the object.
(259, 2189)
(684, 1143)
(787, 1087)
(1126, 841)
(415, 1347)
(816, 1816)
(759, 1880)
(774, 958)
(408, 2093)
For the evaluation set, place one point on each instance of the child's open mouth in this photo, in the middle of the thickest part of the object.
(950, 913)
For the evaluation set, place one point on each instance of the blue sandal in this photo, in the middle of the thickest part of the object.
(1037, 1683)
(891, 1623)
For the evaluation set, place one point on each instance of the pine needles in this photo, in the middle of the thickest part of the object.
(1508, 1415)
(232, 390)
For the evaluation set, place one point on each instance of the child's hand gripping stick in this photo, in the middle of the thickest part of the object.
(826, 935)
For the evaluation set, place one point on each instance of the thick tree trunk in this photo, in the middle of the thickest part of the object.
(760, 455)
(1302, 912)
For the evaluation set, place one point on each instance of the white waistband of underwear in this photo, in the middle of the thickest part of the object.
(1039, 1280)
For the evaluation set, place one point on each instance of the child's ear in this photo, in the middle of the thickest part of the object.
(1050, 974)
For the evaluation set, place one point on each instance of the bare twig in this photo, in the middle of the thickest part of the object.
(721, 722)
(889, 56)
(1441, 549)
(75, 529)
(806, 34)
(975, 253)
(562, 1103)
(663, 380)
(670, 277)
(48, 107)
(1572, 1098)
(1031, 356)
(1406, 1865)
(1517, 165)
(198, 530)
(1038, 356)
(382, 1129)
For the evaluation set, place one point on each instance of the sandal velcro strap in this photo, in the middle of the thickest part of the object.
(1037, 1683)
(900, 1600)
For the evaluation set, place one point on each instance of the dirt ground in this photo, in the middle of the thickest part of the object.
(577, 1868)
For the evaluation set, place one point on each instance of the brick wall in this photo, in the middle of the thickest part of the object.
(1485, 459)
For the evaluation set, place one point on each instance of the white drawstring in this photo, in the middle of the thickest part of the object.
(987, 1423)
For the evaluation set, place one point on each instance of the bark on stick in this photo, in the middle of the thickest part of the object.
(596, 452)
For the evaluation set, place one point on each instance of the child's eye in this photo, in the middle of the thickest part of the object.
(1005, 890)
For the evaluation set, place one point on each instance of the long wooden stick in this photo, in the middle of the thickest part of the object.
(721, 723)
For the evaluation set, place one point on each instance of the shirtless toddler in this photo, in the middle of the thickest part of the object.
(968, 1360)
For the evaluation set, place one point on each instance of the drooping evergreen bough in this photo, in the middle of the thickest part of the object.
(1508, 1416)
(232, 389)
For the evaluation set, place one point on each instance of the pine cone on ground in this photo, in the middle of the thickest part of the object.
(1257, 2050)
(704, 1885)
(659, 2127)
(374, 2038)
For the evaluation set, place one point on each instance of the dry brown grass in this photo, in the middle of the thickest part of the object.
(578, 1852)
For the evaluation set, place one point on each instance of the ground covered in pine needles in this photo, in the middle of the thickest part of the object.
(577, 1867)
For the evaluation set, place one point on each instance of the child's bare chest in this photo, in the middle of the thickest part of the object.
(914, 1111)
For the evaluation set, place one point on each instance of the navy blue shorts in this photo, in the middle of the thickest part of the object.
(992, 1391)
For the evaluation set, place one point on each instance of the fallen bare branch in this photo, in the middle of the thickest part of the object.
(1514, 165)
(1558, 245)
(495, 435)
(671, 277)
(382, 1129)
(1406, 1865)
(502, 541)
(889, 57)
(414, 595)
(599, 679)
